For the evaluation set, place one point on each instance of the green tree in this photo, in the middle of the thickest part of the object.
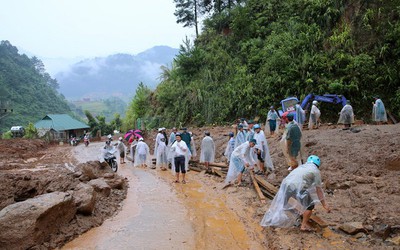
(31, 132)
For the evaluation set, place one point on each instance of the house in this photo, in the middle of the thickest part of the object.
(60, 127)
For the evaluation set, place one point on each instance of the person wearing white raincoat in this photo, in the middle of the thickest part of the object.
(161, 156)
(179, 155)
(241, 159)
(207, 154)
(240, 137)
(346, 116)
(315, 114)
(230, 147)
(378, 111)
(262, 150)
(297, 195)
(300, 115)
(142, 155)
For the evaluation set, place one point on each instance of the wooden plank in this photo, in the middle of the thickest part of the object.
(211, 164)
(265, 184)
(197, 169)
(294, 203)
(219, 173)
(257, 188)
(266, 193)
(318, 220)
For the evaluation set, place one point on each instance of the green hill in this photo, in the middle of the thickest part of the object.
(252, 54)
(26, 89)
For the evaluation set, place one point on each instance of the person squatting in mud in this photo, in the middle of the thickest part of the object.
(298, 194)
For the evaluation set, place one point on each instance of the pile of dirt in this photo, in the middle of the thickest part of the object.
(360, 173)
(34, 176)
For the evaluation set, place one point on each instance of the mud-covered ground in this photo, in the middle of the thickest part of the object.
(360, 172)
(29, 168)
(361, 177)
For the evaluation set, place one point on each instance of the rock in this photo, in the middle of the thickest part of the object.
(100, 186)
(382, 231)
(345, 185)
(395, 240)
(108, 175)
(85, 198)
(359, 235)
(31, 222)
(362, 180)
(77, 174)
(352, 228)
(369, 227)
(116, 183)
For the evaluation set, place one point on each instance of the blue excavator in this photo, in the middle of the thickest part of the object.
(288, 104)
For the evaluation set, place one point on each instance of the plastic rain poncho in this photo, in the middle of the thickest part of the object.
(171, 138)
(240, 156)
(262, 145)
(250, 134)
(293, 133)
(346, 115)
(192, 146)
(106, 152)
(157, 141)
(142, 154)
(379, 112)
(272, 115)
(315, 112)
(283, 145)
(240, 138)
(300, 115)
(133, 148)
(161, 156)
(207, 150)
(296, 194)
(229, 148)
(173, 153)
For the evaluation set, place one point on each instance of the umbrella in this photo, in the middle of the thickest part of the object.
(130, 133)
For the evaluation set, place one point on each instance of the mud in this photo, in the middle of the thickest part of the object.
(32, 167)
(361, 179)
(360, 172)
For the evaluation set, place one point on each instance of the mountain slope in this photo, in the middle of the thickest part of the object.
(115, 75)
(30, 91)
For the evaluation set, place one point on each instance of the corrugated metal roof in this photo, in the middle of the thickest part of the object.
(60, 122)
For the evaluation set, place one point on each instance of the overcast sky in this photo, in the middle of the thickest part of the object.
(87, 28)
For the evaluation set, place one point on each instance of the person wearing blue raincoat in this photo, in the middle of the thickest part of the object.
(230, 147)
(240, 137)
(378, 111)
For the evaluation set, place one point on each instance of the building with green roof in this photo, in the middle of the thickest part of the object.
(60, 127)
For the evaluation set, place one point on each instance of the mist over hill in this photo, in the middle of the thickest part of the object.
(115, 75)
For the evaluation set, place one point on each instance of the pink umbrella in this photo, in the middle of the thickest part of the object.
(132, 132)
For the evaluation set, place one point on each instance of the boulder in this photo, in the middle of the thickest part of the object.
(32, 222)
(352, 228)
(100, 186)
(116, 183)
(85, 198)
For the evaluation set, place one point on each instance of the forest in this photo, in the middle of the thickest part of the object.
(27, 92)
(251, 54)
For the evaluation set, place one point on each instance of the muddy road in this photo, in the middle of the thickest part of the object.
(159, 214)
